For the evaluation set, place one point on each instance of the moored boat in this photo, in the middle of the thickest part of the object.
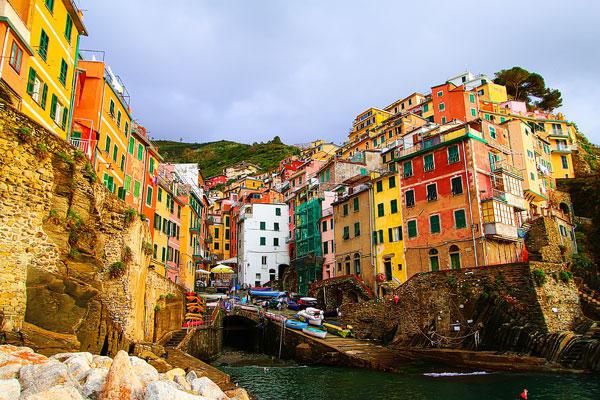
(293, 324)
(319, 333)
(336, 330)
(265, 293)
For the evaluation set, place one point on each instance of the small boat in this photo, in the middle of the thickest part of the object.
(310, 317)
(215, 296)
(265, 293)
(336, 330)
(293, 324)
(319, 333)
(261, 288)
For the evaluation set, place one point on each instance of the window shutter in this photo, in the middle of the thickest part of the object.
(53, 106)
(44, 96)
(65, 115)
(30, 81)
(390, 235)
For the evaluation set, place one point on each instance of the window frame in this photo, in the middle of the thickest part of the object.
(408, 228)
(439, 224)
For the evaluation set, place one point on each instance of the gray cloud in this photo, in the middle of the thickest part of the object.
(302, 69)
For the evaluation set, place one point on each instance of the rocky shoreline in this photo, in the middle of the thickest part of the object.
(27, 375)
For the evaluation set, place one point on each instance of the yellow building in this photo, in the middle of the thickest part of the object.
(387, 235)
(162, 215)
(55, 27)
(319, 150)
(217, 233)
(189, 245)
(561, 136)
(407, 103)
(366, 121)
(492, 92)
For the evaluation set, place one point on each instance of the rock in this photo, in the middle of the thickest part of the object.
(101, 362)
(94, 381)
(121, 381)
(160, 364)
(205, 387)
(175, 371)
(65, 356)
(147, 355)
(12, 358)
(162, 390)
(191, 376)
(60, 392)
(10, 371)
(35, 378)
(238, 394)
(10, 389)
(144, 371)
(181, 381)
(78, 366)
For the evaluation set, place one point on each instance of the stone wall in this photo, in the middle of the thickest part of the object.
(543, 241)
(72, 265)
(164, 307)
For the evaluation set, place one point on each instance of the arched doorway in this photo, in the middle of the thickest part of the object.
(434, 260)
(454, 257)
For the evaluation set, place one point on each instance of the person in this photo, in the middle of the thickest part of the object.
(396, 299)
(523, 395)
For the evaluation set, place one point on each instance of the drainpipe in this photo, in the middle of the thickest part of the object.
(4, 49)
(470, 205)
(75, 74)
(373, 247)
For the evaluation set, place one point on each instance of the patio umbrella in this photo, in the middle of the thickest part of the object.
(222, 269)
(202, 271)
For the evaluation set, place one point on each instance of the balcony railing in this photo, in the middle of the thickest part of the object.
(85, 145)
(562, 148)
(505, 167)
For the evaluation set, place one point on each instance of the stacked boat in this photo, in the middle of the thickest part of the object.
(195, 309)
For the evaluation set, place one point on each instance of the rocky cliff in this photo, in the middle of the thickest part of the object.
(73, 261)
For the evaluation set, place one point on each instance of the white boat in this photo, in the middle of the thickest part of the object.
(315, 332)
(311, 317)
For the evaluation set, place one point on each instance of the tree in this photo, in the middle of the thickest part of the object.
(276, 140)
(526, 86)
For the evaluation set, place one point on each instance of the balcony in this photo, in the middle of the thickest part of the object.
(501, 231)
(558, 134)
(87, 146)
(562, 149)
(195, 229)
(500, 168)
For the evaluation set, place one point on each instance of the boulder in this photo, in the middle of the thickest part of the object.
(147, 355)
(94, 382)
(78, 366)
(65, 356)
(60, 392)
(12, 358)
(205, 387)
(160, 364)
(144, 371)
(238, 394)
(121, 381)
(36, 378)
(10, 371)
(163, 390)
(191, 376)
(175, 371)
(10, 389)
(181, 381)
(101, 362)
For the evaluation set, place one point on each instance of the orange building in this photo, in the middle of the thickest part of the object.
(451, 102)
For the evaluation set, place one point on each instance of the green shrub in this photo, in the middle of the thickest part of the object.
(451, 280)
(73, 252)
(127, 254)
(24, 134)
(53, 217)
(73, 220)
(156, 308)
(565, 276)
(539, 277)
(65, 157)
(90, 173)
(485, 296)
(41, 150)
(582, 262)
(116, 269)
(78, 154)
(170, 296)
(148, 248)
(130, 214)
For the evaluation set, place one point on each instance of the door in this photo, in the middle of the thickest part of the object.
(388, 270)
(455, 260)
(434, 263)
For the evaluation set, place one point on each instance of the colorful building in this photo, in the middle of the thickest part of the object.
(367, 120)
(450, 102)
(54, 28)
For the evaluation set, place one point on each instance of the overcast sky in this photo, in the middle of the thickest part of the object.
(248, 70)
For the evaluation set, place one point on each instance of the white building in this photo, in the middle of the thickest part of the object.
(470, 80)
(262, 232)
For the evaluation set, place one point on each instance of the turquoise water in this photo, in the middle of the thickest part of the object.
(290, 381)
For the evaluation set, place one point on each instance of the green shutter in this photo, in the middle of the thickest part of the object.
(149, 196)
(434, 224)
(394, 206)
(151, 165)
(65, 115)
(53, 104)
(380, 232)
(31, 81)
(115, 152)
(62, 77)
(140, 154)
(356, 205)
(128, 183)
(107, 145)
(136, 189)
(380, 210)
(390, 235)
(460, 219)
(131, 145)
(44, 96)
(412, 228)
(68, 28)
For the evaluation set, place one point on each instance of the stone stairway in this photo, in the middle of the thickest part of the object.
(590, 300)
(175, 339)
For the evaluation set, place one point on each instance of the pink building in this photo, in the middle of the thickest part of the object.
(327, 235)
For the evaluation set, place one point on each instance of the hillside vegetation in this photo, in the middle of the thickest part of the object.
(212, 157)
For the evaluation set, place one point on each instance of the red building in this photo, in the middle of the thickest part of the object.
(461, 199)
(215, 180)
(453, 102)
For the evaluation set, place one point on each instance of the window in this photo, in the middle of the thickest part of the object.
(454, 257)
(226, 246)
(216, 233)
(58, 112)
(264, 260)
(472, 98)
(159, 195)
(409, 197)
(346, 234)
(379, 186)
(492, 132)
(443, 120)
(276, 226)
(428, 164)
(278, 211)
(431, 192)
(44, 41)
(163, 255)
(442, 107)
(122, 166)
(434, 261)
(128, 183)
(275, 241)
(453, 156)
(345, 209)
(263, 225)
(119, 118)
(434, 224)
(263, 241)
(140, 154)
(111, 108)
(64, 68)
(107, 145)
(356, 205)
(456, 185)
(440, 93)
(37, 89)
(226, 234)
(50, 5)
(149, 196)
(115, 153)
(407, 169)
(68, 28)
(151, 166)
(136, 189)
(216, 246)
(460, 219)
(357, 264)
(126, 130)
(394, 206)
(392, 182)
(16, 57)
(131, 145)
(380, 210)
(425, 108)
(324, 226)
(565, 162)
(380, 235)
(356, 229)
(412, 228)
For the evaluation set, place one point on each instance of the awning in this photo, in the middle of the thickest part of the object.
(202, 271)
(232, 260)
